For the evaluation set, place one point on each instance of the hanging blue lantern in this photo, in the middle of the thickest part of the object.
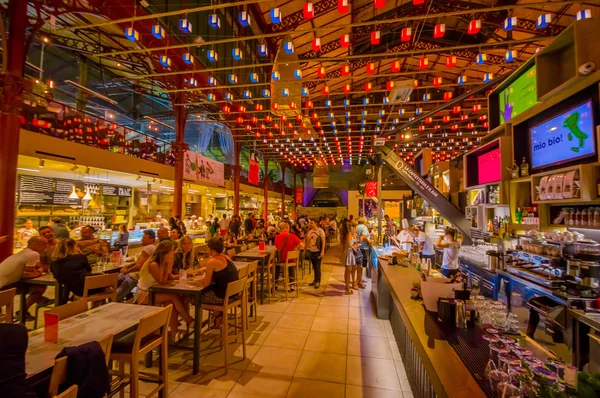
(247, 94)
(237, 54)
(228, 96)
(212, 81)
(543, 21)
(381, 113)
(158, 32)
(386, 100)
(426, 97)
(583, 14)
(262, 50)
(212, 56)
(365, 101)
(275, 15)
(346, 102)
(210, 97)
(480, 59)
(276, 76)
(244, 18)
(266, 93)
(327, 103)
(304, 91)
(401, 111)
(165, 61)
(214, 21)
(254, 77)
(285, 92)
(288, 46)
(509, 23)
(132, 34)
(232, 79)
(364, 113)
(419, 111)
(298, 74)
(185, 26)
(188, 58)
(488, 77)
(462, 79)
(509, 56)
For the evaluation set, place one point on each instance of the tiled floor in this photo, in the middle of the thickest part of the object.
(323, 344)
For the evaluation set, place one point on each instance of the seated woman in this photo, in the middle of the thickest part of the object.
(157, 270)
(220, 270)
(70, 268)
(230, 239)
(259, 232)
(184, 256)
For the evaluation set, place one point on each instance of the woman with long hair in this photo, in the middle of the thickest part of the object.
(220, 270)
(70, 268)
(158, 270)
(184, 256)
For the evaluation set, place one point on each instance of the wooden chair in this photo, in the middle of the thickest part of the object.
(290, 262)
(106, 344)
(236, 297)
(108, 282)
(151, 333)
(7, 299)
(243, 272)
(231, 252)
(271, 275)
(201, 251)
(70, 392)
(58, 377)
(243, 248)
(70, 309)
(252, 288)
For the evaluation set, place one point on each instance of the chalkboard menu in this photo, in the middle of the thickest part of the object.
(188, 209)
(35, 190)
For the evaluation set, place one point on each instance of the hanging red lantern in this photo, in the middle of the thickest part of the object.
(470, 126)
(253, 120)
(428, 120)
(446, 119)
(389, 85)
(437, 81)
(343, 6)
(439, 30)
(239, 120)
(241, 109)
(345, 40)
(347, 88)
(226, 109)
(456, 109)
(423, 63)
(268, 119)
(415, 83)
(309, 104)
(486, 125)
(309, 10)
(275, 106)
(396, 66)
(371, 67)
(258, 107)
(345, 70)
(321, 72)
(463, 118)
(292, 106)
(476, 108)
(375, 37)
(298, 118)
(406, 34)
(474, 27)
(379, 3)
(421, 128)
(451, 62)
(447, 95)
(316, 44)
(325, 90)
(368, 87)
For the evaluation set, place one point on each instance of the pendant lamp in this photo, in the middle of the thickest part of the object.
(73, 194)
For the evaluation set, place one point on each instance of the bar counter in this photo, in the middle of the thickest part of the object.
(433, 368)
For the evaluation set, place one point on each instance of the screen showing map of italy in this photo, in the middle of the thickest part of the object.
(519, 96)
(564, 138)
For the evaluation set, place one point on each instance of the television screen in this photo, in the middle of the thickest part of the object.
(488, 166)
(564, 138)
(519, 96)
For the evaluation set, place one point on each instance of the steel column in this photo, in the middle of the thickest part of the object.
(282, 190)
(294, 213)
(179, 147)
(236, 177)
(266, 190)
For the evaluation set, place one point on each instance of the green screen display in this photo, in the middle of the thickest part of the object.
(519, 96)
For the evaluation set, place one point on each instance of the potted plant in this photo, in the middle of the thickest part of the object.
(416, 289)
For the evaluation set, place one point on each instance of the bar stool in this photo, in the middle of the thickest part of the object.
(291, 261)
(252, 288)
(236, 297)
(7, 299)
(107, 282)
(150, 334)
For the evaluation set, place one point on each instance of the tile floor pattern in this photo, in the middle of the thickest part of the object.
(322, 344)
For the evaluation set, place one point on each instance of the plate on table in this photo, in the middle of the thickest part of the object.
(507, 340)
(492, 338)
(492, 331)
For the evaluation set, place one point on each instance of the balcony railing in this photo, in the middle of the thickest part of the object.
(52, 118)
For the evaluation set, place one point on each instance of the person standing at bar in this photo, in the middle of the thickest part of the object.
(315, 243)
(425, 244)
(122, 242)
(390, 227)
(363, 236)
(60, 231)
(224, 225)
(451, 245)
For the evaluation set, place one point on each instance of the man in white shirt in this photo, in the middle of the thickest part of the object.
(425, 244)
(451, 246)
(25, 265)
(315, 244)
(224, 225)
(128, 277)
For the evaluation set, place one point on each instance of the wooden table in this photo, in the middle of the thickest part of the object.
(194, 291)
(117, 319)
(237, 247)
(48, 280)
(262, 256)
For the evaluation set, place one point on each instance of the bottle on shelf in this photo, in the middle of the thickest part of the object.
(519, 216)
(490, 226)
(524, 168)
(514, 170)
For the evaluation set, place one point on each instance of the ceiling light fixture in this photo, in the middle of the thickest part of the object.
(41, 165)
(73, 194)
(25, 169)
(75, 167)
(87, 195)
(87, 170)
(138, 178)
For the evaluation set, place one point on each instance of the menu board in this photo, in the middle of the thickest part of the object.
(33, 197)
(110, 190)
(188, 209)
(36, 184)
(63, 186)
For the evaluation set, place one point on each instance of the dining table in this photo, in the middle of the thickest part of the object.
(117, 319)
(191, 287)
(47, 279)
(262, 256)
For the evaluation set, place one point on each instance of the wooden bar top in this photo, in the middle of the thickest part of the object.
(449, 369)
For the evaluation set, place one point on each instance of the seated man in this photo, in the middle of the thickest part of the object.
(286, 242)
(25, 265)
(51, 243)
(128, 278)
(91, 246)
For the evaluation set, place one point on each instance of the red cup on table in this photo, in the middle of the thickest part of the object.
(261, 245)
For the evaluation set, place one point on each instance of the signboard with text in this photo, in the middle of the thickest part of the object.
(371, 189)
(299, 196)
(428, 192)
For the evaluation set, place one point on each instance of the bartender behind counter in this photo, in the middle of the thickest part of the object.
(425, 243)
(404, 239)
(451, 243)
